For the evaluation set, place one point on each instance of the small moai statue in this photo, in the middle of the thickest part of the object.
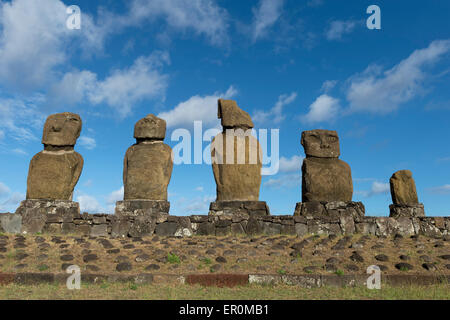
(327, 186)
(147, 169)
(404, 196)
(236, 161)
(53, 173)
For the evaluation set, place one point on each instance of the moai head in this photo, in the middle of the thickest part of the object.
(150, 128)
(62, 129)
(321, 143)
(232, 116)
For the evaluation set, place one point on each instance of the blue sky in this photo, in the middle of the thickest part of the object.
(293, 65)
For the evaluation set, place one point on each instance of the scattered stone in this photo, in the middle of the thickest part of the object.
(332, 260)
(152, 267)
(124, 266)
(91, 267)
(121, 259)
(351, 267)
(356, 257)
(113, 251)
(90, 257)
(445, 257)
(142, 258)
(404, 257)
(329, 267)
(21, 256)
(310, 269)
(382, 257)
(429, 266)
(403, 266)
(425, 258)
(221, 259)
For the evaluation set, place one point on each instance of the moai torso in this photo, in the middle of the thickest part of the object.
(148, 164)
(236, 156)
(54, 172)
(324, 176)
(403, 188)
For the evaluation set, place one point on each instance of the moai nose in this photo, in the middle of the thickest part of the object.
(325, 146)
(56, 126)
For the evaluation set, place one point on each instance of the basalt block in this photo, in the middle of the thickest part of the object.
(332, 211)
(36, 214)
(239, 208)
(411, 211)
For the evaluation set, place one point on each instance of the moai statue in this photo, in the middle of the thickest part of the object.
(326, 180)
(53, 172)
(404, 196)
(236, 161)
(147, 169)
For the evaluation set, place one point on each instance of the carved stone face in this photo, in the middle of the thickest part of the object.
(232, 116)
(321, 143)
(62, 129)
(150, 127)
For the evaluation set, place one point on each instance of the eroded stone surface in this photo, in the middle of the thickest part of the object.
(403, 188)
(148, 163)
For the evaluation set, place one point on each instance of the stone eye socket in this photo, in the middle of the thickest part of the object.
(314, 139)
(332, 139)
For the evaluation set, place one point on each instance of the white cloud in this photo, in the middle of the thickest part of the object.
(382, 92)
(34, 40)
(200, 189)
(284, 181)
(290, 164)
(115, 196)
(88, 203)
(376, 188)
(444, 190)
(199, 204)
(338, 28)
(12, 202)
(4, 190)
(196, 108)
(275, 115)
(20, 117)
(264, 16)
(204, 17)
(88, 143)
(323, 109)
(123, 88)
(328, 85)
(19, 151)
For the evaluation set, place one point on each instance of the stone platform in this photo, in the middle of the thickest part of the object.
(137, 218)
(239, 208)
(410, 211)
(37, 215)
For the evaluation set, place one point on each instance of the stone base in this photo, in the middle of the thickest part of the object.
(330, 211)
(230, 208)
(410, 211)
(138, 218)
(36, 214)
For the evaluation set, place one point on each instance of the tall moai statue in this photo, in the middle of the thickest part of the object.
(53, 173)
(147, 169)
(236, 161)
(404, 196)
(327, 186)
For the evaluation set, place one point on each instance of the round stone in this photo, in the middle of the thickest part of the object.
(221, 259)
(67, 257)
(403, 266)
(124, 266)
(90, 257)
(152, 267)
(382, 257)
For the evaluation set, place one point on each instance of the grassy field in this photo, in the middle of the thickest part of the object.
(126, 291)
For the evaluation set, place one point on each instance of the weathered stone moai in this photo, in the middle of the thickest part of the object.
(327, 186)
(53, 174)
(236, 161)
(147, 170)
(404, 196)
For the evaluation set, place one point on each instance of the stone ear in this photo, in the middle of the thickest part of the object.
(219, 109)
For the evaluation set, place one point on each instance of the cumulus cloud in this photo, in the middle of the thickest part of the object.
(87, 142)
(324, 109)
(199, 204)
(328, 85)
(338, 28)
(12, 202)
(291, 164)
(204, 17)
(4, 190)
(196, 108)
(376, 188)
(441, 190)
(115, 196)
(275, 115)
(88, 203)
(380, 91)
(265, 16)
(34, 40)
(284, 181)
